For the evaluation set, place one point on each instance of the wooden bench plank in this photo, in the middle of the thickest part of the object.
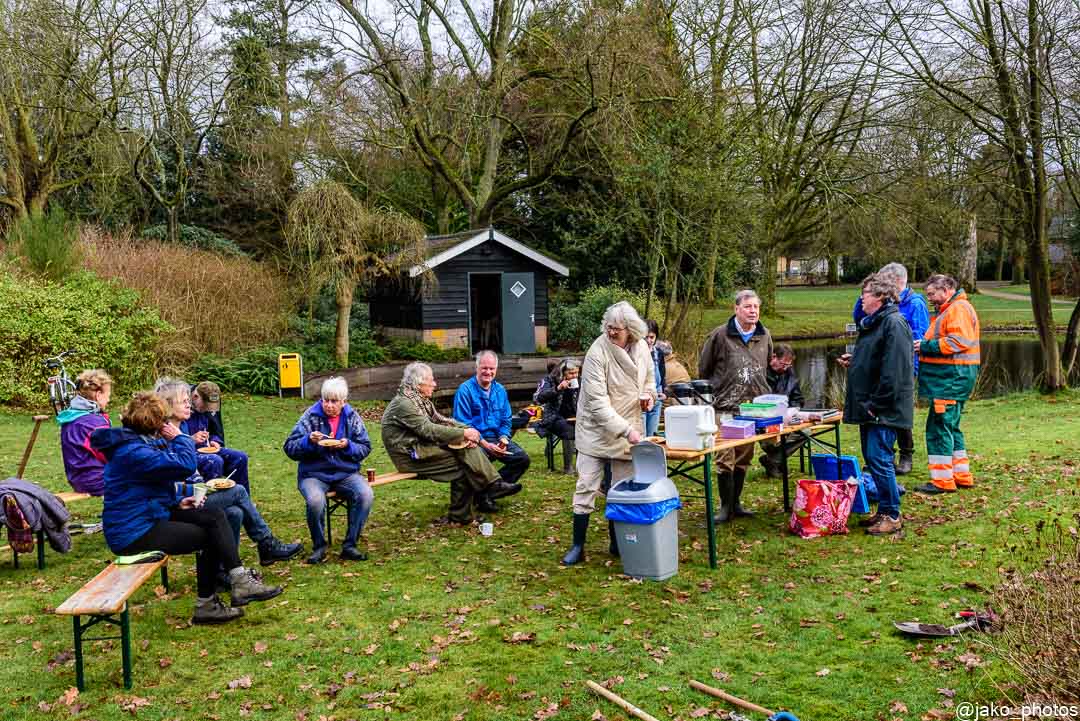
(107, 592)
(381, 480)
(69, 496)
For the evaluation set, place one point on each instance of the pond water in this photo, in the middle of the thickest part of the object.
(1009, 364)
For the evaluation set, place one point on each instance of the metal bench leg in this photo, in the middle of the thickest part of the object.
(15, 558)
(329, 512)
(80, 681)
(165, 577)
(41, 549)
(125, 645)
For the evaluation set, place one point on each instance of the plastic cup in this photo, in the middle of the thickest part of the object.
(200, 493)
(643, 399)
(486, 529)
(573, 382)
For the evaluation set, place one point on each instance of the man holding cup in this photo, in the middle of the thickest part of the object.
(482, 403)
(735, 359)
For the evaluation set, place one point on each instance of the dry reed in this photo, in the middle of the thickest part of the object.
(217, 304)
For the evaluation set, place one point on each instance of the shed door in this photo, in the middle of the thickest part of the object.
(518, 309)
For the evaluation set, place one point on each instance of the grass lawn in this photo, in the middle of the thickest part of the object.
(824, 311)
(446, 624)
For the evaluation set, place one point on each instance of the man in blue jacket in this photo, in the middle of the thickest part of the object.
(913, 308)
(482, 403)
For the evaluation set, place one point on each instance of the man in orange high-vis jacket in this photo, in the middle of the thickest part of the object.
(948, 367)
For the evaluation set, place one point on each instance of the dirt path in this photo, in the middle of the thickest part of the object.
(983, 290)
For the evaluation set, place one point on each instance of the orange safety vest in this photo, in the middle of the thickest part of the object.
(956, 328)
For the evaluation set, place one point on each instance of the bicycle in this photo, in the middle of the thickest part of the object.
(61, 387)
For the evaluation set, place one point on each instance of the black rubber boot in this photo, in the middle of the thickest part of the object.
(737, 481)
(724, 484)
(903, 466)
(576, 554)
(568, 456)
(613, 542)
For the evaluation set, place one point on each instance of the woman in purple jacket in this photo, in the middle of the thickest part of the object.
(84, 465)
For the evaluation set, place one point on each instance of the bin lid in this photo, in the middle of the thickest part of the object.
(650, 483)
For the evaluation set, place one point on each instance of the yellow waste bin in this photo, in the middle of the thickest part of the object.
(290, 374)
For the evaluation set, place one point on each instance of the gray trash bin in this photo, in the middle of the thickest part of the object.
(645, 509)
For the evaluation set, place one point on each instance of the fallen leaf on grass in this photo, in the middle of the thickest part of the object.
(597, 716)
(547, 712)
(69, 696)
(612, 682)
(935, 714)
(242, 682)
(720, 675)
(261, 646)
(165, 662)
(946, 692)
(520, 637)
(822, 672)
(370, 650)
(699, 712)
(132, 704)
(898, 707)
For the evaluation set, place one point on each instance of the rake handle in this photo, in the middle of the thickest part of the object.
(730, 699)
(620, 702)
(30, 446)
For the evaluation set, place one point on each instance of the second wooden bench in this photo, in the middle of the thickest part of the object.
(333, 502)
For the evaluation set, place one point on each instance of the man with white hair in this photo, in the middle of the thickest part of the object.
(482, 403)
(329, 443)
(735, 359)
(912, 307)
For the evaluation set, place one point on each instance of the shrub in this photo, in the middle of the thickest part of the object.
(193, 236)
(254, 371)
(219, 305)
(576, 325)
(49, 242)
(1040, 614)
(402, 349)
(103, 321)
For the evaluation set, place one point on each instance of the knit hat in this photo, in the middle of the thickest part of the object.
(210, 394)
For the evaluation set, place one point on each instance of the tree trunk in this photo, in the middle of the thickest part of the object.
(1068, 355)
(969, 254)
(766, 289)
(1003, 249)
(173, 224)
(834, 269)
(344, 299)
(710, 263)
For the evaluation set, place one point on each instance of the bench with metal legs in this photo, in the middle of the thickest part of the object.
(334, 502)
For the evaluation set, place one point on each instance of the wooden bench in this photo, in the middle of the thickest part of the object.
(333, 502)
(39, 536)
(102, 598)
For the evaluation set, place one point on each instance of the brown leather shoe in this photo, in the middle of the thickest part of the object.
(869, 520)
(886, 526)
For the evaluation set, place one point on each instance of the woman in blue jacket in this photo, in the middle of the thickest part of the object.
(145, 459)
(329, 443)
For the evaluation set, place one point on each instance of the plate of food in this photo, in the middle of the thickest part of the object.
(209, 449)
(458, 445)
(220, 484)
(331, 442)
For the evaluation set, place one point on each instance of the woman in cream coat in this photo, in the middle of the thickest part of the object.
(616, 386)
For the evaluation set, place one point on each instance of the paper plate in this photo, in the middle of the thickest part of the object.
(208, 449)
(330, 443)
(458, 446)
(220, 484)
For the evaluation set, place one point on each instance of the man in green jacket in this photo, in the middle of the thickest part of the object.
(420, 440)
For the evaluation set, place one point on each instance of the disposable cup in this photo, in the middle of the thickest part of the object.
(200, 492)
(574, 383)
(486, 529)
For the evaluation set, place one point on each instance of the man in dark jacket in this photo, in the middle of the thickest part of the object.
(880, 390)
(734, 359)
(784, 382)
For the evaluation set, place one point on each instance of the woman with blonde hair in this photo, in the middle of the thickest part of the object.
(83, 464)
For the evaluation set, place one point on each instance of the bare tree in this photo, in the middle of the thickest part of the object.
(62, 81)
(991, 61)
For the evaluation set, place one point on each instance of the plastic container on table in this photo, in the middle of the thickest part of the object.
(772, 424)
(738, 429)
(780, 401)
(759, 410)
(687, 428)
(645, 510)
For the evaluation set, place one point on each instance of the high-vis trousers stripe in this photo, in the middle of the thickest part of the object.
(945, 448)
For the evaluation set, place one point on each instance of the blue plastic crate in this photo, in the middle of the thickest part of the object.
(824, 465)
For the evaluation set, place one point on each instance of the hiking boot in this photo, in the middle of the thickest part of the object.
(869, 520)
(738, 479)
(248, 586)
(931, 490)
(213, 611)
(350, 553)
(273, 550)
(318, 555)
(886, 526)
(903, 466)
(501, 489)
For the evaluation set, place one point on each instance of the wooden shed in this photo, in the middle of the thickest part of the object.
(485, 291)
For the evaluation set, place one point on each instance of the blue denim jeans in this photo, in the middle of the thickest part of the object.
(241, 512)
(514, 462)
(354, 488)
(652, 419)
(877, 451)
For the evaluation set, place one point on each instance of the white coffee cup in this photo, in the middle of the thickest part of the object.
(573, 382)
(199, 493)
(486, 529)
